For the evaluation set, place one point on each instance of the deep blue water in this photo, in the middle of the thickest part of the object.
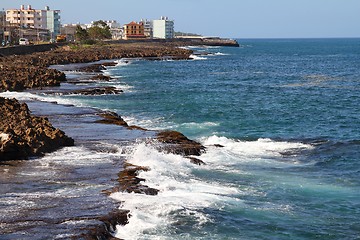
(287, 114)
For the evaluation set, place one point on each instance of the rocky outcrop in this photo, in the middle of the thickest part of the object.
(95, 91)
(107, 228)
(101, 77)
(23, 135)
(176, 143)
(17, 77)
(129, 181)
(112, 118)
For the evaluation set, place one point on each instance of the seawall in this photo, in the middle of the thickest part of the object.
(26, 49)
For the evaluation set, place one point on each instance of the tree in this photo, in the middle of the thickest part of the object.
(81, 34)
(99, 30)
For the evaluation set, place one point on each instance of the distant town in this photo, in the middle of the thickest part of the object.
(27, 25)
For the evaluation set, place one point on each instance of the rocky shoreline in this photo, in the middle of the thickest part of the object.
(23, 135)
(20, 72)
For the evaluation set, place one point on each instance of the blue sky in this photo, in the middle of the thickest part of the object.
(225, 18)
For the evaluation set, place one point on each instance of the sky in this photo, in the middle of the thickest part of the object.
(224, 18)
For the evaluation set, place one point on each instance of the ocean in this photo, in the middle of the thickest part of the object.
(286, 114)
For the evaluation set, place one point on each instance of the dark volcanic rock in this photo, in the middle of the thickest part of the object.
(112, 118)
(23, 135)
(96, 91)
(129, 182)
(175, 142)
(107, 228)
(196, 161)
(93, 68)
(101, 77)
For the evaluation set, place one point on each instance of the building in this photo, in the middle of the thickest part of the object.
(147, 28)
(2, 26)
(52, 21)
(134, 30)
(115, 29)
(37, 19)
(163, 28)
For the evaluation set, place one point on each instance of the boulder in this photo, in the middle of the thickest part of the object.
(24, 135)
(176, 143)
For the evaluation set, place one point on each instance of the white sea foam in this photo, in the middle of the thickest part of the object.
(200, 125)
(123, 62)
(221, 54)
(264, 151)
(77, 156)
(181, 195)
(148, 123)
(27, 96)
(194, 57)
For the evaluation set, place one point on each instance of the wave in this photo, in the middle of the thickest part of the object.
(194, 57)
(181, 198)
(123, 62)
(221, 54)
(262, 151)
(200, 125)
(190, 194)
(27, 96)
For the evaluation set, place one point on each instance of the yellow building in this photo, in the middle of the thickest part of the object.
(134, 30)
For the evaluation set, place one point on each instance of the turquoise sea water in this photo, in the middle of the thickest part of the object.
(287, 114)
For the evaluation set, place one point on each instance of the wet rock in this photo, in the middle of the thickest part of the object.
(176, 143)
(96, 91)
(196, 161)
(24, 135)
(130, 182)
(112, 118)
(101, 77)
(106, 230)
(97, 68)
(218, 145)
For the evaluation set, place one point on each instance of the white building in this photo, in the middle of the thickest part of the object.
(147, 27)
(33, 18)
(163, 28)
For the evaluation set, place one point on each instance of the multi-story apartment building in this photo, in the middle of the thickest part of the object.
(33, 18)
(2, 25)
(52, 21)
(147, 28)
(134, 30)
(163, 28)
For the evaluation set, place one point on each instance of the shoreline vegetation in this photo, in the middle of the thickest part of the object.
(24, 136)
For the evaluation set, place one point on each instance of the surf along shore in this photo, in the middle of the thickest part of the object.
(25, 136)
